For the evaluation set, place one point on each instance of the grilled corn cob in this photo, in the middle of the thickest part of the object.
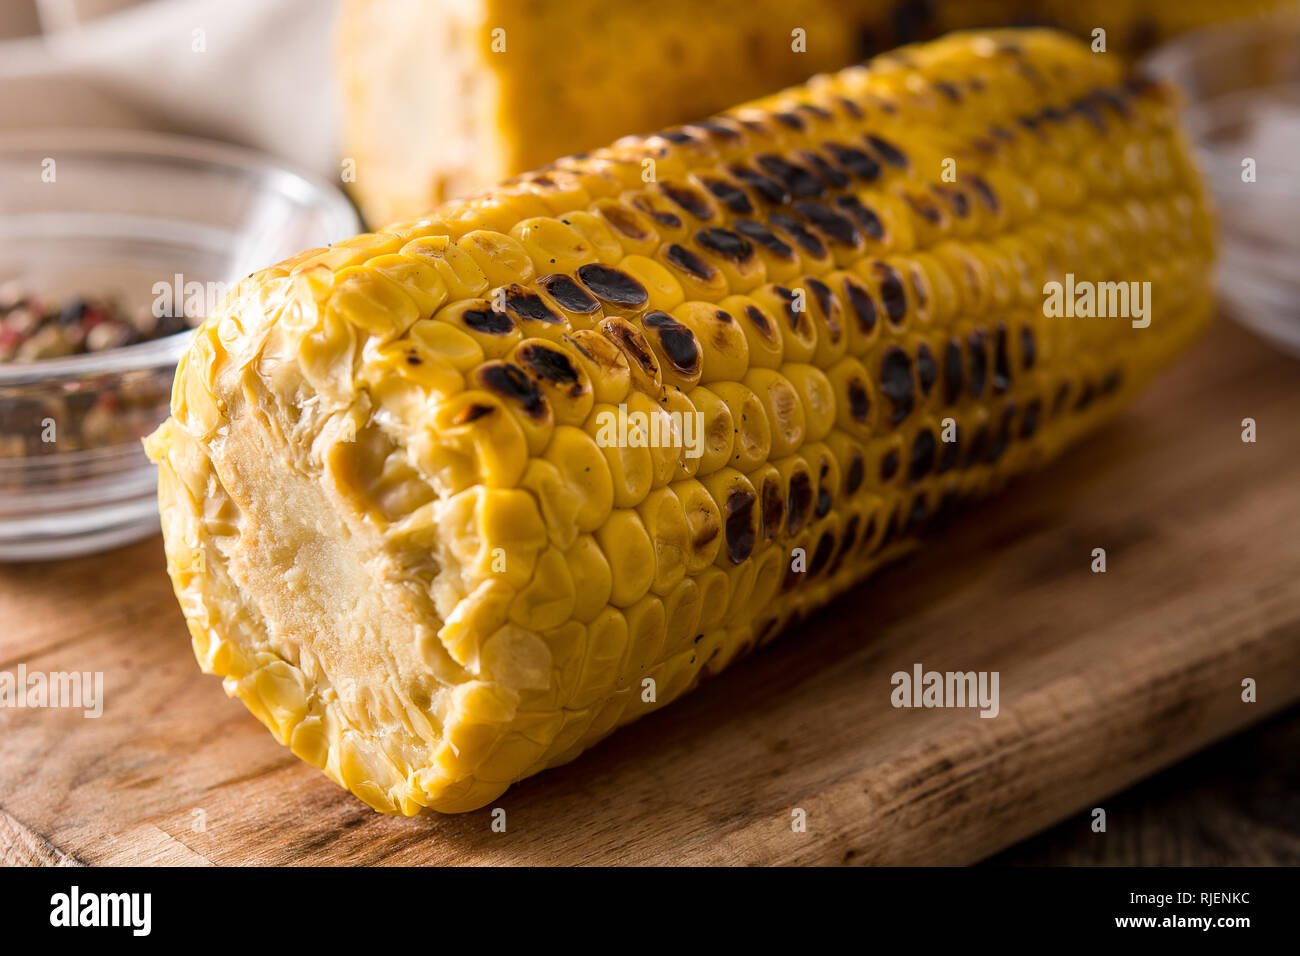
(437, 103)
(391, 516)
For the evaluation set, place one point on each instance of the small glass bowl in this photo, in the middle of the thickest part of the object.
(1242, 85)
(133, 216)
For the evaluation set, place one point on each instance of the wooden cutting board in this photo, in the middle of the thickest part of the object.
(1104, 678)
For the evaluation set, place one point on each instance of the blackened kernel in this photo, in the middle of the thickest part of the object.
(662, 216)
(925, 209)
(850, 107)
(892, 293)
(1086, 108)
(796, 230)
(1114, 100)
(759, 318)
(612, 285)
(799, 501)
(678, 136)
(812, 109)
(488, 322)
(952, 372)
(823, 502)
(1002, 436)
(979, 362)
(549, 364)
(985, 192)
(790, 120)
(957, 199)
(632, 343)
(864, 307)
(510, 381)
(767, 187)
(1029, 421)
(801, 183)
(821, 554)
(1086, 395)
(822, 295)
(716, 129)
(863, 215)
(1062, 393)
(1001, 361)
(887, 151)
(860, 164)
(688, 199)
(522, 304)
(730, 195)
(1028, 350)
(889, 463)
(472, 413)
(829, 174)
(624, 221)
(773, 508)
(859, 402)
(927, 370)
(837, 227)
(568, 293)
(847, 541)
(948, 90)
(678, 342)
(765, 237)
(896, 383)
(681, 257)
(724, 242)
(740, 524)
(922, 460)
(856, 474)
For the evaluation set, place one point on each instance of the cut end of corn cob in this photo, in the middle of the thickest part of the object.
(401, 517)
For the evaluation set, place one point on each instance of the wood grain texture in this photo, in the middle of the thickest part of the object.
(1105, 679)
(1236, 804)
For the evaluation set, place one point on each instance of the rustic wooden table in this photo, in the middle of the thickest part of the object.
(1105, 680)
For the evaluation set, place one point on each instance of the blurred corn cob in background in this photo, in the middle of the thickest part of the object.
(392, 520)
(436, 103)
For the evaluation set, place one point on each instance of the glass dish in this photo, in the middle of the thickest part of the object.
(134, 216)
(1242, 85)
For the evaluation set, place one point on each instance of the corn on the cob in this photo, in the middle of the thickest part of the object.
(389, 517)
(436, 103)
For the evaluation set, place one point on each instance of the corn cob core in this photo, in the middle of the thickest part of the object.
(390, 520)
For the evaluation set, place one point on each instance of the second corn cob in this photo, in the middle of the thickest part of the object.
(397, 522)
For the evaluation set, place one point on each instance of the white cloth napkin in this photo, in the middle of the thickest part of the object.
(254, 72)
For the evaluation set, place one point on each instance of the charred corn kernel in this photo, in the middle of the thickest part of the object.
(661, 290)
(789, 309)
(590, 429)
(724, 350)
(798, 487)
(763, 347)
(676, 348)
(559, 375)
